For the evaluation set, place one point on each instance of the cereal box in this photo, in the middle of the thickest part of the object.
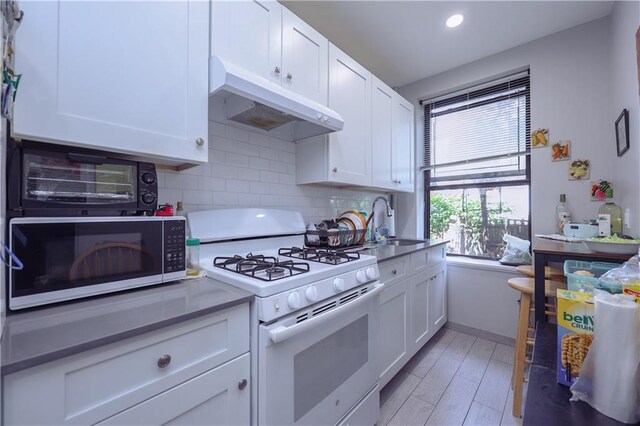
(632, 290)
(575, 333)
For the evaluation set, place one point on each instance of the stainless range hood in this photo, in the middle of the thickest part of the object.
(240, 98)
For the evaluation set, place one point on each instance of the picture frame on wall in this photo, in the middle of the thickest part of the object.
(622, 132)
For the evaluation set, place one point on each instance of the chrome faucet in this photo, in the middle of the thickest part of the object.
(373, 207)
(386, 202)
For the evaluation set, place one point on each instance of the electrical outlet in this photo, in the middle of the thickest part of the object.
(627, 219)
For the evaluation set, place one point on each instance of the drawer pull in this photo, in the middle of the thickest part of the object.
(164, 361)
(242, 384)
(394, 272)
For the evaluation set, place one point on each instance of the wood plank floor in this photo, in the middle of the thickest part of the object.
(455, 379)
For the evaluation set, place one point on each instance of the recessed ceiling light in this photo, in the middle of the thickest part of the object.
(455, 20)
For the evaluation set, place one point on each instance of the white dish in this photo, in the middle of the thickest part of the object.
(612, 248)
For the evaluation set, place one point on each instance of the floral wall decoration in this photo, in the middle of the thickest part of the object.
(539, 138)
(601, 190)
(561, 151)
(579, 169)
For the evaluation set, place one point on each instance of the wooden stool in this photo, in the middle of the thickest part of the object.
(526, 288)
(550, 273)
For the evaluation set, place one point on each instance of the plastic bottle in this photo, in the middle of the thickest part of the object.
(614, 212)
(563, 214)
(193, 257)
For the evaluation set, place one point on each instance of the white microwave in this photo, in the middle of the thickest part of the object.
(67, 258)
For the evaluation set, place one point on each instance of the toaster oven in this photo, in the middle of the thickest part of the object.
(55, 180)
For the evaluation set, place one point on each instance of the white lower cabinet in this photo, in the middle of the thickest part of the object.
(419, 313)
(412, 307)
(395, 349)
(218, 397)
(437, 296)
(188, 373)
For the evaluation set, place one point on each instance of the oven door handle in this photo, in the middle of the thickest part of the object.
(282, 332)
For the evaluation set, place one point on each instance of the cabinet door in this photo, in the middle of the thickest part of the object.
(218, 397)
(403, 145)
(248, 33)
(395, 349)
(349, 95)
(437, 297)
(419, 312)
(129, 77)
(382, 135)
(304, 58)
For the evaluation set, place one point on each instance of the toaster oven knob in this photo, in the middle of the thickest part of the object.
(148, 198)
(338, 285)
(361, 277)
(311, 293)
(294, 300)
(148, 178)
(371, 273)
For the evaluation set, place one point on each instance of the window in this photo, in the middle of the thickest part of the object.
(477, 166)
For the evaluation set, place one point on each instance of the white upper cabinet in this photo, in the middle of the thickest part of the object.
(403, 146)
(344, 157)
(267, 39)
(392, 139)
(304, 58)
(350, 96)
(128, 77)
(249, 34)
(382, 109)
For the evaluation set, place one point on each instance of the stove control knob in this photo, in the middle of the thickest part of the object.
(338, 285)
(311, 293)
(371, 273)
(293, 300)
(361, 277)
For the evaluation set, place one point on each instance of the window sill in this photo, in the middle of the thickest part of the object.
(487, 265)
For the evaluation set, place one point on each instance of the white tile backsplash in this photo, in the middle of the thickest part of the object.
(248, 169)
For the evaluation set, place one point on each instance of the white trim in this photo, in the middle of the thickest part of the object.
(481, 264)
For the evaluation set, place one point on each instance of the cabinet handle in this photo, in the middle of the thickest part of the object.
(277, 70)
(164, 361)
(335, 170)
(399, 181)
(199, 141)
(289, 76)
(242, 384)
(394, 272)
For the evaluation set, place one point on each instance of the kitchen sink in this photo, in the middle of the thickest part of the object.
(402, 242)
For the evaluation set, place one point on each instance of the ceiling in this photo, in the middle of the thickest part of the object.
(405, 41)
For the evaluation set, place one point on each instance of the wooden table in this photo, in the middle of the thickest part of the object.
(546, 251)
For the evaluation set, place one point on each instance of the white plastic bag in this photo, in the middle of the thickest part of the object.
(517, 251)
(610, 375)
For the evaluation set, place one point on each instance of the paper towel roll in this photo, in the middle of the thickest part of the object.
(610, 375)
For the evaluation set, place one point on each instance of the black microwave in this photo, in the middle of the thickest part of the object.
(55, 180)
(67, 258)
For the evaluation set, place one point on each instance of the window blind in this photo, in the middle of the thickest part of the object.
(488, 125)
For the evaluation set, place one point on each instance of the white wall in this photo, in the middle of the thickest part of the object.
(249, 169)
(570, 77)
(482, 299)
(625, 20)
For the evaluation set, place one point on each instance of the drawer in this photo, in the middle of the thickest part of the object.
(425, 259)
(94, 385)
(394, 270)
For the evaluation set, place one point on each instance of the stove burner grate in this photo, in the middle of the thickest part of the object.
(265, 268)
(320, 255)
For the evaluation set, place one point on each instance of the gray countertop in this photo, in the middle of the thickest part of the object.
(38, 336)
(386, 252)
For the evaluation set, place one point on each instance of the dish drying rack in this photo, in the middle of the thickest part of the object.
(334, 238)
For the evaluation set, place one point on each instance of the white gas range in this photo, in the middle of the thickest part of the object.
(314, 318)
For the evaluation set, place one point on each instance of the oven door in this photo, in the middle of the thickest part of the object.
(313, 371)
(69, 258)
